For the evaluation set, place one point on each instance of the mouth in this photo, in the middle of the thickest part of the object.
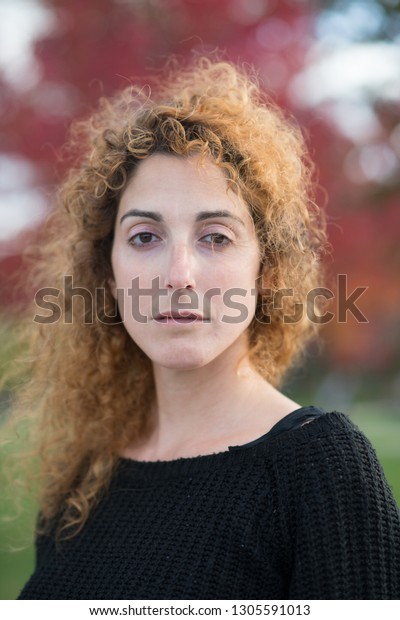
(180, 317)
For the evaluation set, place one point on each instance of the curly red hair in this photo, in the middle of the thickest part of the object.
(90, 385)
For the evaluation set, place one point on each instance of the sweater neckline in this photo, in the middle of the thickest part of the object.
(224, 455)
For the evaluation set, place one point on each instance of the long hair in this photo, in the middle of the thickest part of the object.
(90, 384)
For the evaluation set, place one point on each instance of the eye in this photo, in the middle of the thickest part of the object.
(217, 239)
(142, 238)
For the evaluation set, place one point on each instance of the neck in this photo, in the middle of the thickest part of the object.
(203, 410)
(188, 398)
(200, 403)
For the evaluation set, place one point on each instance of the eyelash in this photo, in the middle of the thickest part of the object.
(131, 239)
(227, 241)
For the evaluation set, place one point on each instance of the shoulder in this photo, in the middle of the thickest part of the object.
(328, 473)
(328, 456)
(324, 435)
(335, 497)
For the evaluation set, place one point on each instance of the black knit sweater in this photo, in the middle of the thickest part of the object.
(304, 513)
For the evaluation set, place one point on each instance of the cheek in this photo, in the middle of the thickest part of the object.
(235, 303)
(241, 274)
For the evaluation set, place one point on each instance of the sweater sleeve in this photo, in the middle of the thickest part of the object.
(345, 522)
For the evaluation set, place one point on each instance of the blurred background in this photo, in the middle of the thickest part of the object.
(334, 65)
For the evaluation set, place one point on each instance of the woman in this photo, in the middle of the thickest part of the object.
(172, 466)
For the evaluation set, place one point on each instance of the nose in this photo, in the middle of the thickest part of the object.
(179, 268)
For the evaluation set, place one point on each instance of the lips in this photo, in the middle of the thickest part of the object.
(183, 316)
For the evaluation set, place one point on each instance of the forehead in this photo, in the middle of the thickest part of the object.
(169, 167)
(171, 183)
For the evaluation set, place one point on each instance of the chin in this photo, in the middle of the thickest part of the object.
(182, 363)
(182, 360)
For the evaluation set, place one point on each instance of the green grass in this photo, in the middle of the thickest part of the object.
(16, 565)
(383, 430)
(391, 467)
(382, 427)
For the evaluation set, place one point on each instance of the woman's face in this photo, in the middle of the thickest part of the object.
(184, 245)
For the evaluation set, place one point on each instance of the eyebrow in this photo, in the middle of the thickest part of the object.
(200, 217)
(153, 215)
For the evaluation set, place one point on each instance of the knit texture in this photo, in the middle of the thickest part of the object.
(302, 514)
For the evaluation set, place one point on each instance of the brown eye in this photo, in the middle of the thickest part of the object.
(217, 239)
(142, 238)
